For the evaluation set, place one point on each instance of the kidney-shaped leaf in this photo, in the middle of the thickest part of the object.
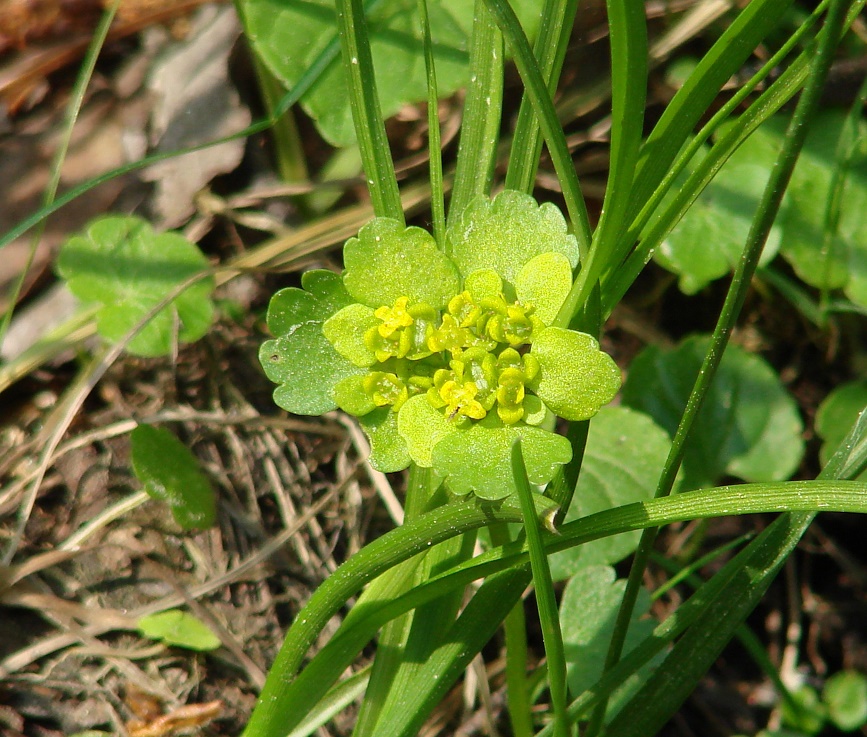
(171, 474)
(838, 261)
(707, 243)
(587, 613)
(479, 459)
(748, 427)
(123, 264)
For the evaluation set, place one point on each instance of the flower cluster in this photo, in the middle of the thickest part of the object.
(446, 359)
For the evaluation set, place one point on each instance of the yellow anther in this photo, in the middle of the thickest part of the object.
(394, 318)
(460, 399)
(386, 388)
(464, 310)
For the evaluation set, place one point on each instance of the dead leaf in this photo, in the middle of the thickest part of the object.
(197, 103)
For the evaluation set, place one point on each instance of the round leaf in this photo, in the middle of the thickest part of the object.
(587, 612)
(170, 473)
(748, 426)
(707, 243)
(273, 26)
(623, 458)
(322, 296)
(837, 414)
(845, 695)
(388, 450)
(479, 458)
(300, 358)
(345, 331)
(387, 261)
(544, 282)
(422, 427)
(307, 368)
(178, 628)
(503, 234)
(121, 263)
(576, 378)
(840, 261)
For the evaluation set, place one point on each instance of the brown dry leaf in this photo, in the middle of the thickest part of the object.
(25, 21)
(189, 716)
(197, 103)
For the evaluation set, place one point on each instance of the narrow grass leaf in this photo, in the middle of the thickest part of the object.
(555, 30)
(545, 601)
(438, 214)
(366, 113)
(628, 39)
(684, 111)
(477, 151)
(537, 90)
(284, 704)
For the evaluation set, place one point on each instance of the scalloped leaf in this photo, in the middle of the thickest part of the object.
(345, 331)
(307, 368)
(544, 282)
(300, 358)
(708, 241)
(387, 261)
(388, 449)
(624, 456)
(587, 612)
(351, 397)
(123, 264)
(503, 234)
(422, 427)
(748, 427)
(478, 459)
(483, 284)
(170, 473)
(174, 627)
(576, 378)
(273, 26)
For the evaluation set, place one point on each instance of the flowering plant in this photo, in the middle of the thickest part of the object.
(446, 356)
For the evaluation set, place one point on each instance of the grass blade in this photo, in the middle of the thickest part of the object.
(366, 114)
(684, 111)
(548, 615)
(437, 197)
(477, 151)
(536, 89)
(555, 30)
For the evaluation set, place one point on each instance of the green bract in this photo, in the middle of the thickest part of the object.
(446, 360)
